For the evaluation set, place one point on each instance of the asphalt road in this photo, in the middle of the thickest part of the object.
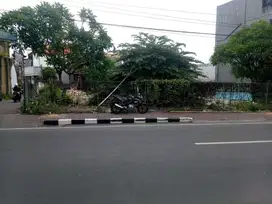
(137, 165)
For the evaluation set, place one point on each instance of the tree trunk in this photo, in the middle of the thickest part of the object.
(60, 77)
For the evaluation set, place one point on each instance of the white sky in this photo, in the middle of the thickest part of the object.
(202, 45)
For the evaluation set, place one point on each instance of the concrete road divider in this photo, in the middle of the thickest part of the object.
(94, 121)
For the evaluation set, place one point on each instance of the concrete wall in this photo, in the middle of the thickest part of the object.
(229, 16)
(209, 71)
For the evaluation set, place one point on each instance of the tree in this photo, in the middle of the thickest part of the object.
(248, 52)
(37, 28)
(157, 57)
(86, 48)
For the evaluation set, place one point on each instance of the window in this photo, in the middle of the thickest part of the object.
(222, 19)
(267, 3)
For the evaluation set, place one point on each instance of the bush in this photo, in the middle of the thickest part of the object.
(248, 106)
(65, 99)
(217, 106)
(51, 99)
(38, 106)
(172, 93)
(5, 96)
(49, 74)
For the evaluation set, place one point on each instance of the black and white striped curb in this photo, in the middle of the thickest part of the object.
(94, 121)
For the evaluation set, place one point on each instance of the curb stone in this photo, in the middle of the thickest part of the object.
(94, 121)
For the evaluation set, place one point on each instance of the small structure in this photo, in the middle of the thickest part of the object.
(5, 62)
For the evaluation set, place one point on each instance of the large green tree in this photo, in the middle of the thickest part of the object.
(38, 27)
(50, 30)
(86, 46)
(248, 52)
(157, 57)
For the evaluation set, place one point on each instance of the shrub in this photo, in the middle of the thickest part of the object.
(49, 74)
(51, 99)
(173, 93)
(217, 106)
(248, 106)
(65, 99)
(5, 96)
(39, 106)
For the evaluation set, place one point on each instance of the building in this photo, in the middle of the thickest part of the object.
(5, 62)
(34, 64)
(231, 17)
(208, 71)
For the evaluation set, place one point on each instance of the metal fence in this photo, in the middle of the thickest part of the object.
(177, 94)
(193, 95)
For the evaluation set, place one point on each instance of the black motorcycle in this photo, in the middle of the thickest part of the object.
(123, 104)
(17, 95)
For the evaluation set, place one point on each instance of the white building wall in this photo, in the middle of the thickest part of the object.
(229, 16)
(39, 61)
(13, 76)
(209, 71)
(38, 64)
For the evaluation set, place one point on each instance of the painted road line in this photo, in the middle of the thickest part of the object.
(234, 142)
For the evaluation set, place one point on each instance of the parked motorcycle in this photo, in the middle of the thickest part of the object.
(120, 104)
(16, 97)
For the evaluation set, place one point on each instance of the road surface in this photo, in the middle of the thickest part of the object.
(198, 163)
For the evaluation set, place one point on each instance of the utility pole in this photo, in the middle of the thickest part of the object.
(24, 82)
(245, 14)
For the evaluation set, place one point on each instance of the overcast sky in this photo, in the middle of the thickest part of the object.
(109, 11)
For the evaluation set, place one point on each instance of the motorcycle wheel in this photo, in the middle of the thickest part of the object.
(115, 109)
(142, 109)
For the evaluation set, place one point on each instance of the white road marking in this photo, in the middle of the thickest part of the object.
(89, 121)
(234, 142)
(215, 124)
(65, 121)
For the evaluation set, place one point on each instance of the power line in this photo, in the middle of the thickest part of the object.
(157, 18)
(154, 8)
(160, 29)
(172, 18)
(163, 15)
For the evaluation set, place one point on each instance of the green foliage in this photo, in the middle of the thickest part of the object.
(49, 74)
(248, 107)
(157, 57)
(50, 30)
(86, 45)
(5, 96)
(37, 26)
(37, 107)
(237, 106)
(172, 93)
(248, 52)
(51, 99)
